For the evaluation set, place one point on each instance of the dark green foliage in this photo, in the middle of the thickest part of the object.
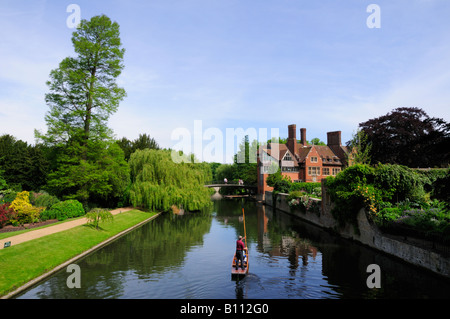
(394, 195)
(22, 166)
(7, 196)
(397, 183)
(101, 179)
(64, 210)
(46, 200)
(279, 182)
(441, 188)
(142, 142)
(3, 184)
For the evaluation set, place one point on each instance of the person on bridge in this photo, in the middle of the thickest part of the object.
(240, 252)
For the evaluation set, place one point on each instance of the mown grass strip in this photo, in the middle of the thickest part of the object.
(20, 264)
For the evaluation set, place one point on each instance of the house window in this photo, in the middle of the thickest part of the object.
(266, 157)
(289, 169)
(326, 171)
(336, 171)
(313, 171)
(313, 159)
(287, 157)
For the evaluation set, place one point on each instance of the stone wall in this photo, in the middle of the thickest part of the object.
(368, 234)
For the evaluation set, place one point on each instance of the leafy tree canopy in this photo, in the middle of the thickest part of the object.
(408, 136)
(83, 92)
(142, 142)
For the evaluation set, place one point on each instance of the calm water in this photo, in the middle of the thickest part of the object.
(189, 256)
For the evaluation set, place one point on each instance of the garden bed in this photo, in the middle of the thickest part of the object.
(10, 228)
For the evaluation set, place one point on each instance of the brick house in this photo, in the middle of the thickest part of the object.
(300, 161)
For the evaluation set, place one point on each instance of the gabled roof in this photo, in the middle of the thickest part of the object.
(270, 149)
(302, 152)
(336, 153)
(327, 155)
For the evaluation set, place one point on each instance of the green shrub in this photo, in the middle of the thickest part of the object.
(29, 214)
(280, 183)
(63, 210)
(295, 194)
(310, 188)
(387, 215)
(7, 196)
(400, 182)
(395, 196)
(46, 200)
(344, 191)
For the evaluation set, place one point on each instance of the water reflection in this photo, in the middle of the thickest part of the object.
(189, 256)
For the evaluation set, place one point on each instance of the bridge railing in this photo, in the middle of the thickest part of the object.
(233, 182)
(222, 182)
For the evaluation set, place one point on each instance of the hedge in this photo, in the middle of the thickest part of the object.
(63, 210)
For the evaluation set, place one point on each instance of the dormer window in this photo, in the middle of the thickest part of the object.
(287, 157)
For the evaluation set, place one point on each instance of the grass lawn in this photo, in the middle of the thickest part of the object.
(23, 262)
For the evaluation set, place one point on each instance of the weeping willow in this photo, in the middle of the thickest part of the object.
(158, 182)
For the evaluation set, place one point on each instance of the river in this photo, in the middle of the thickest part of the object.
(189, 257)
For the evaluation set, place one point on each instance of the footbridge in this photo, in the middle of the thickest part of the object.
(217, 185)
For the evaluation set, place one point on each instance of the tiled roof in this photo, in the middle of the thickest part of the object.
(329, 154)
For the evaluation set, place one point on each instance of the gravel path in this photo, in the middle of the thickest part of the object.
(17, 239)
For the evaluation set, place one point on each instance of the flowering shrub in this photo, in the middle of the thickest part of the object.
(28, 215)
(370, 197)
(5, 214)
(22, 201)
(388, 193)
(46, 200)
(299, 199)
(310, 188)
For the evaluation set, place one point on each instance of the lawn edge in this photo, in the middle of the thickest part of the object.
(73, 259)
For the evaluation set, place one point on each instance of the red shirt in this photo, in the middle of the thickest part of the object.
(239, 245)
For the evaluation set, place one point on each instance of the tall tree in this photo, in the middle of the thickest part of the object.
(83, 90)
(408, 136)
(83, 95)
(245, 161)
(359, 149)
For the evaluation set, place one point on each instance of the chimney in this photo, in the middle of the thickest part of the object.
(292, 138)
(334, 138)
(303, 136)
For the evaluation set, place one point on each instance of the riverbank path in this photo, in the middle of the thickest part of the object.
(33, 234)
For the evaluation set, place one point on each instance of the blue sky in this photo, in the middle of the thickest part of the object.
(237, 64)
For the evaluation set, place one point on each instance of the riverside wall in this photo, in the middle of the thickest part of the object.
(368, 234)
